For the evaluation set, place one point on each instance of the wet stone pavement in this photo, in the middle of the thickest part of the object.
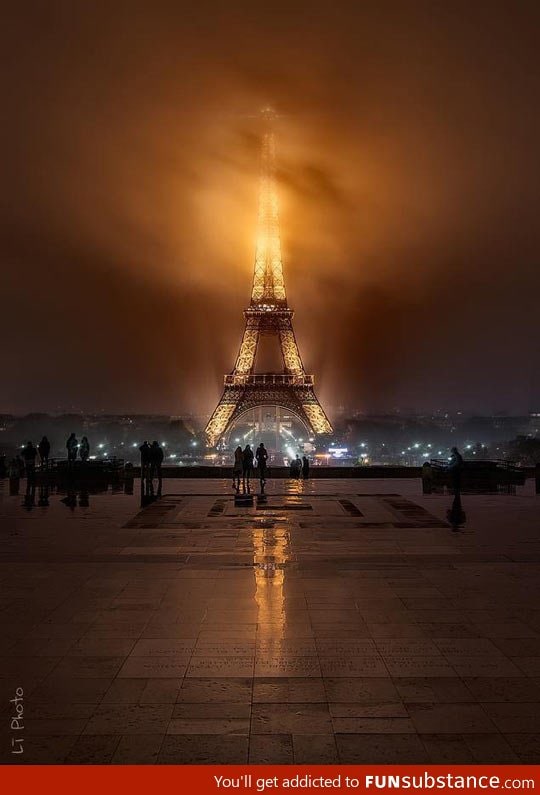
(337, 621)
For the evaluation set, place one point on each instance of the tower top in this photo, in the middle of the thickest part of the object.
(268, 113)
(268, 285)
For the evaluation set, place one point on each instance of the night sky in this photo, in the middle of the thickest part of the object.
(409, 154)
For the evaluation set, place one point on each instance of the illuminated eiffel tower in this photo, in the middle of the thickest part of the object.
(268, 314)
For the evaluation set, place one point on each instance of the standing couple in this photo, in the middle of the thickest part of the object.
(243, 465)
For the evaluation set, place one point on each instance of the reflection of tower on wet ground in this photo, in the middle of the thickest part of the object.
(30, 494)
(271, 556)
(456, 515)
(43, 496)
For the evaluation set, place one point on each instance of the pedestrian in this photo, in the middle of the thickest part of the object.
(455, 467)
(427, 478)
(247, 465)
(305, 467)
(84, 449)
(19, 463)
(237, 468)
(298, 467)
(156, 460)
(262, 457)
(144, 450)
(72, 446)
(44, 448)
(29, 455)
(14, 472)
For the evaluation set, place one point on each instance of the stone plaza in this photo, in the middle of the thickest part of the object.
(334, 622)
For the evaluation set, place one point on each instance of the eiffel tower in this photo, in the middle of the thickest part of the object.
(268, 314)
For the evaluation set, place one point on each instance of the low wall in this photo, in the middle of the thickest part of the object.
(282, 473)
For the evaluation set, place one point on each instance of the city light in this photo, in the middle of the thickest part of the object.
(338, 452)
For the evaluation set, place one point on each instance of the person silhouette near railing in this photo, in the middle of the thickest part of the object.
(247, 466)
(262, 458)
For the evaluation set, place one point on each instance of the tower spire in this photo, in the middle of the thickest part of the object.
(268, 283)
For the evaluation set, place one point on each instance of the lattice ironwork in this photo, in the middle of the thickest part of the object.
(270, 314)
(268, 283)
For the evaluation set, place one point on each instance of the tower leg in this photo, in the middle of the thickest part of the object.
(222, 416)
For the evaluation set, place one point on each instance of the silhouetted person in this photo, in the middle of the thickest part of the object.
(71, 446)
(427, 478)
(128, 478)
(156, 460)
(29, 455)
(296, 467)
(144, 450)
(247, 465)
(262, 457)
(455, 466)
(237, 468)
(44, 448)
(14, 474)
(84, 449)
(305, 468)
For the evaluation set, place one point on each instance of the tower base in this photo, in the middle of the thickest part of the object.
(267, 390)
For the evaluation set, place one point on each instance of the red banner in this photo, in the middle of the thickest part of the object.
(220, 779)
